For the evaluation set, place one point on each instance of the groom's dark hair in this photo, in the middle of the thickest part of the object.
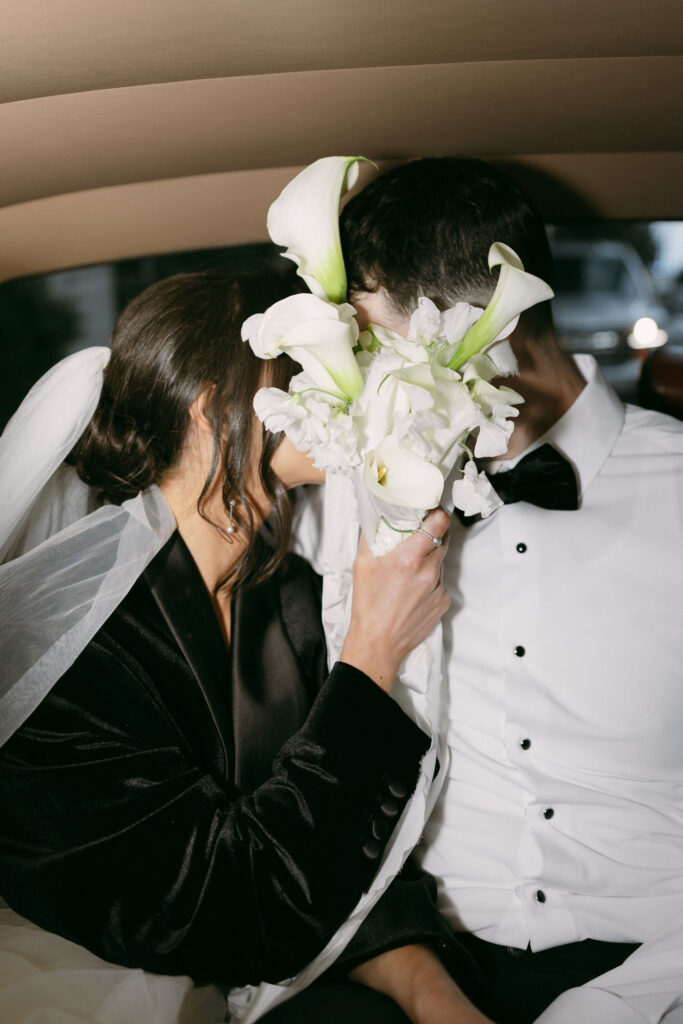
(425, 228)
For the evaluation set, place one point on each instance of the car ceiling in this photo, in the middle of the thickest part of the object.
(135, 127)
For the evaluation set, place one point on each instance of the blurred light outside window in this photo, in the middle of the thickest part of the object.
(619, 292)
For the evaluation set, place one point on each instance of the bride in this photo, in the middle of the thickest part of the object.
(187, 792)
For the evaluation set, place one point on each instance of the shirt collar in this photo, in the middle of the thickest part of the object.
(587, 431)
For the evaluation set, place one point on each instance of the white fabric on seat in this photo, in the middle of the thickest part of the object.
(45, 979)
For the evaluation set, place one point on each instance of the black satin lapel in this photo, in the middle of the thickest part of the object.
(270, 698)
(179, 591)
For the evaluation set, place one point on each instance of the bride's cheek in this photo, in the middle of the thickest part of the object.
(294, 467)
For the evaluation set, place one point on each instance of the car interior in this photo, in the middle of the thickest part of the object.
(143, 138)
(138, 131)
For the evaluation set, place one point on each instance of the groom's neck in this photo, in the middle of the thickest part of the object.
(549, 382)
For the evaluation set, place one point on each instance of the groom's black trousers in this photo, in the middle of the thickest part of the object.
(511, 986)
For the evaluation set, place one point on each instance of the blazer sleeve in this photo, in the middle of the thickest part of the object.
(405, 915)
(117, 838)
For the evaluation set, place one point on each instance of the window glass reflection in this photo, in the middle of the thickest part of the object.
(619, 293)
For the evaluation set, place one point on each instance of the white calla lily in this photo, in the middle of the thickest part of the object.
(499, 253)
(325, 351)
(515, 291)
(457, 321)
(318, 334)
(399, 477)
(305, 219)
(503, 358)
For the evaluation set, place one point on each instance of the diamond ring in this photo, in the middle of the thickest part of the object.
(436, 541)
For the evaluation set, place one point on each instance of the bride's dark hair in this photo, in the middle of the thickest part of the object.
(177, 338)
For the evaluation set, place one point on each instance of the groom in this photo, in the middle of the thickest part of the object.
(557, 842)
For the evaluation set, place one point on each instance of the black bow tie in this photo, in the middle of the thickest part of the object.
(543, 477)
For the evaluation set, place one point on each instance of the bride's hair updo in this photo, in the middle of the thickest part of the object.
(173, 341)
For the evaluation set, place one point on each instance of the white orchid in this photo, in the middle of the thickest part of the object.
(399, 477)
(474, 493)
(279, 411)
(314, 422)
(425, 323)
(515, 291)
(456, 321)
(385, 403)
(305, 219)
(429, 326)
(378, 337)
(331, 438)
(495, 417)
(488, 397)
(494, 431)
(319, 335)
(451, 414)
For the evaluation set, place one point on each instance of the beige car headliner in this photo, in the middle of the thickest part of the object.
(138, 126)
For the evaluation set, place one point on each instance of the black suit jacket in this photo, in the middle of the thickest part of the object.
(187, 810)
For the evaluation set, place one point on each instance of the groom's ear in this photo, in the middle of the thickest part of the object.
(377, 308)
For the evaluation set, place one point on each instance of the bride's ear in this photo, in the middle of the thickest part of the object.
(198, 410)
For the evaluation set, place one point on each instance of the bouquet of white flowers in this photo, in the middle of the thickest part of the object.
(404, 415)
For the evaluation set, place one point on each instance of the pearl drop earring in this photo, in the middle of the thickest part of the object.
(231, 528)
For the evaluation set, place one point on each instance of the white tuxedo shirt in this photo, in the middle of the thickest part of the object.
(562, 813)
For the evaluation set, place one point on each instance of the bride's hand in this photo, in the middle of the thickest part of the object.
(397, 600)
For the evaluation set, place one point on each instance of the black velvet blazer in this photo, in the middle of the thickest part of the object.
(188, 810)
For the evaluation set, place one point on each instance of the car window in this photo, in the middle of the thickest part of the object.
(48, 316)
(619, 292)
(618, 288)
(594, 273)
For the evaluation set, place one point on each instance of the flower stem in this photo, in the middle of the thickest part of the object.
(396, 529)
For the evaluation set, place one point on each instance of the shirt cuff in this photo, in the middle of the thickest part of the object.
(591, 1004)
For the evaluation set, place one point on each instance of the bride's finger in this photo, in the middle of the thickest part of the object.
(432, 533)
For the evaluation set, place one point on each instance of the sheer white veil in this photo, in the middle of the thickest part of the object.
(67, 564)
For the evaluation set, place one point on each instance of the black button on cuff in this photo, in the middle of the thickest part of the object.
(548, 813)
(519, 651)
(381, 827)
(372, 849)
(521, 547)
(398, 788)
(525, 744)
(539, 896)
(389, 807)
